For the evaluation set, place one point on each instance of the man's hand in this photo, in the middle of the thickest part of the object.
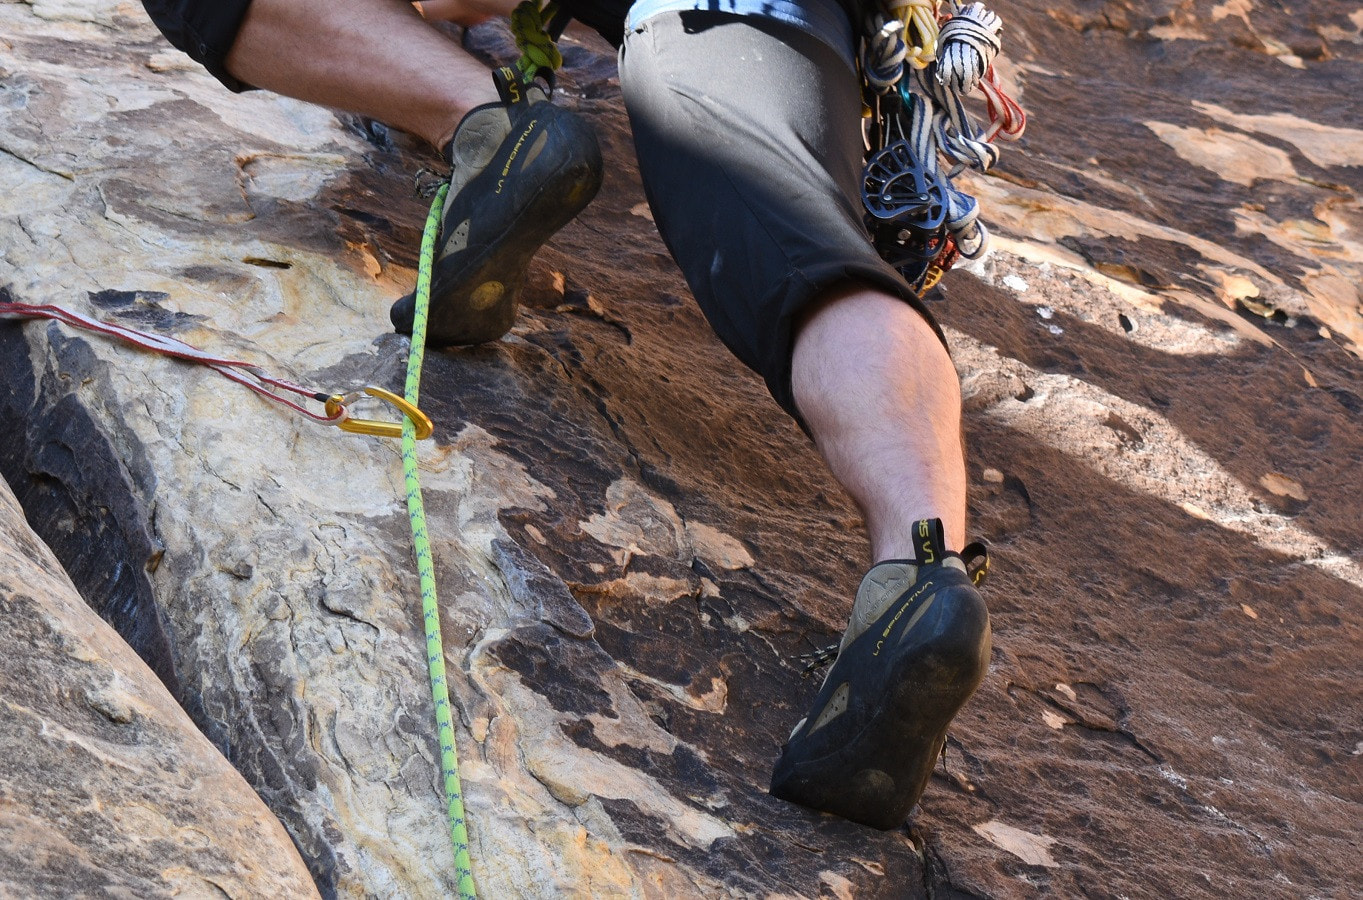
(461, 12)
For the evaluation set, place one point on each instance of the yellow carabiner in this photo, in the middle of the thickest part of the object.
(424, 427)
(930, 279)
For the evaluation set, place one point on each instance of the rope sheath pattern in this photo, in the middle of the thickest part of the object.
(529, 28)
(970, 43)
(430, 607)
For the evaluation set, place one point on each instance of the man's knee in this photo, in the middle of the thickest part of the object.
(858, 307)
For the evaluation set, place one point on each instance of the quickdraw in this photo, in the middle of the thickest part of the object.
(919, 60)
(336, 406)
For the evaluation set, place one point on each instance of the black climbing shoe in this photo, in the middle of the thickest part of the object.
(915, 650)
(521, 170)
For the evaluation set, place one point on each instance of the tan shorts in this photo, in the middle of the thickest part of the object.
(752, 168)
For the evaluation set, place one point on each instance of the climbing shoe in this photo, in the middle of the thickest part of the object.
(915, 650)
(521, 170)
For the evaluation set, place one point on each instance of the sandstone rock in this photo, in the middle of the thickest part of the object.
(633, 543)
(106, 787)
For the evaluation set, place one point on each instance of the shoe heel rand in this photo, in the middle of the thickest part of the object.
(872, 762)
(938, 597)
(955, 616)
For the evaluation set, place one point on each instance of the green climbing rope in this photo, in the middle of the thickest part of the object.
(430, 606)
(529, 28)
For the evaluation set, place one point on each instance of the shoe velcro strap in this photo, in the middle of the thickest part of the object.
(513, 87)
(929, 539)
(510, 85)
(929, 542)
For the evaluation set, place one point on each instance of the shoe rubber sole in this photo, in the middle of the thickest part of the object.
(873, 766)
(475, 293)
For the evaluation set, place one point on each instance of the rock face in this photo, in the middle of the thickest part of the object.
(106, 787)
(1161, 369)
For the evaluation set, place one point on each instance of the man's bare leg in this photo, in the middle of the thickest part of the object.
(882, 399)
(373, 57)
(380, 58)
(883, 402)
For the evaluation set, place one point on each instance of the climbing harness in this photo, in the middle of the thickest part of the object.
(430, 606)
(920, 59)
(336, 406)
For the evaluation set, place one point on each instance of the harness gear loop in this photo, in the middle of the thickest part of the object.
(336, 406)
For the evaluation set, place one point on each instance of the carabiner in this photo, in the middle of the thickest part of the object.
(336, 405)
(930, 278)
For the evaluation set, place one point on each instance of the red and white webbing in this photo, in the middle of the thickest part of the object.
(243, 373)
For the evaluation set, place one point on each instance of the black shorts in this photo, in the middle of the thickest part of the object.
(205, 29)
(752, 168)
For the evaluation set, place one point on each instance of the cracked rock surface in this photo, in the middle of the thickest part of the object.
(106, 787)
(1161, 368)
